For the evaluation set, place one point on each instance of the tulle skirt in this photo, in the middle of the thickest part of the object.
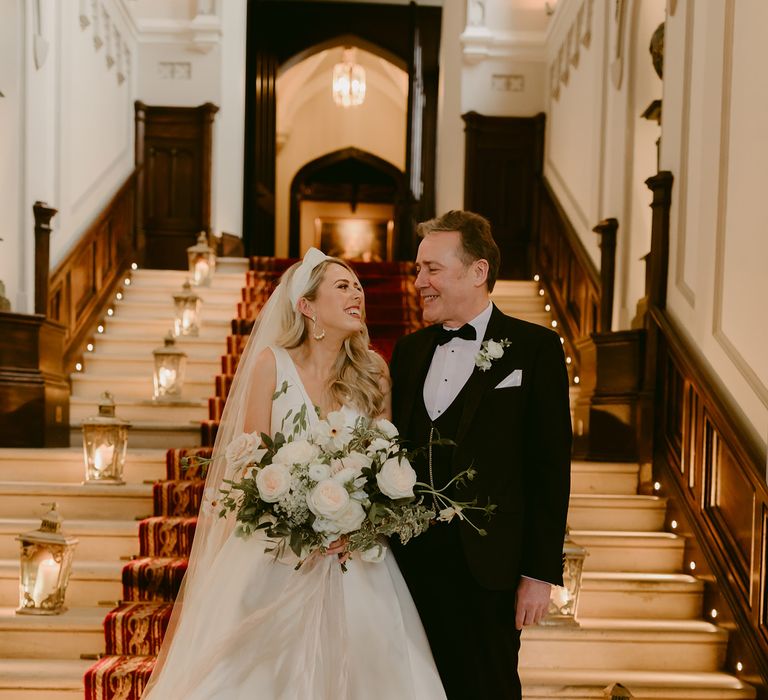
(256, 628)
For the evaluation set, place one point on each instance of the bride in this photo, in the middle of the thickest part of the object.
(247, 626)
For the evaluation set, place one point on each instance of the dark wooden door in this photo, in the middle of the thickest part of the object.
(503, 162)
(174, 145)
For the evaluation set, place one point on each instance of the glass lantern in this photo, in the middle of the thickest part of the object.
(564, 600)
(170, 364)
(202, 261)
(187, 311)
(105, 441)
(45, 566)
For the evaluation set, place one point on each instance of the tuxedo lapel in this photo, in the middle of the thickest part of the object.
(480, 381)
(418, 366)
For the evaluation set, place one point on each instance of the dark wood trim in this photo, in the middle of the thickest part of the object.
(43, 215)
(607, 229)
(567, 273)
(34, 391)
(83, 283)
(715, 471)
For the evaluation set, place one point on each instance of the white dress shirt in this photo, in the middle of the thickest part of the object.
(452, 365)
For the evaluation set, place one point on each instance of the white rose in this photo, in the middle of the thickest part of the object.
(495, 350)
(319, 471)
(344, 475)
(327, 499)
(243, 450)
(396, 478)
(387, 428)
(296, 452)
(351, 518)
(354, 461)
(273, 482)
(380, 445)
(375, 554)
(326, 527)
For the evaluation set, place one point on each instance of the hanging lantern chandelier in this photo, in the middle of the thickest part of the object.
(348, 81)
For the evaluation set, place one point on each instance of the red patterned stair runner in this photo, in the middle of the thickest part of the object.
(134, 629)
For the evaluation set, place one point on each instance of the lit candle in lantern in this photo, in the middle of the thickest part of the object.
(201, 270)
(47, 580)
(102, 458)
(560, 596)
(167, 377)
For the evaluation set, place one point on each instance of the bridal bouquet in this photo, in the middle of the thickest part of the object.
(353, 481)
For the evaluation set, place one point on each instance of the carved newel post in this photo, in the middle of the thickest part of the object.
(43, 215)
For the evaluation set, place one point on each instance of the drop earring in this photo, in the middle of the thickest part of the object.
(316, 336)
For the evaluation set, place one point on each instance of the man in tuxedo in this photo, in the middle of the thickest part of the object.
(511, 423)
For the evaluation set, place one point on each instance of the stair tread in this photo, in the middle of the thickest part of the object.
(620, 629)
(69, 489)
(625, 467)
(81, 569)
(657, 679)
(73, 619)
(640, 577)
(599, 500)
(75, 526)
(661, 537)
(59, 674)
(74, 454)
(141, 402)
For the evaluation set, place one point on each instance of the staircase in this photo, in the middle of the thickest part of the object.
(640, 614)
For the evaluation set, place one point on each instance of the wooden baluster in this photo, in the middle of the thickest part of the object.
(43, 215)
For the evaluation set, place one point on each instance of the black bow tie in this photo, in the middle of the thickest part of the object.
(466, 332)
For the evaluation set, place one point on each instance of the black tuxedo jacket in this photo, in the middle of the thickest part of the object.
(517, 438)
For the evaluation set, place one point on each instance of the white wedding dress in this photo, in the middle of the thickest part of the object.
(261, 630)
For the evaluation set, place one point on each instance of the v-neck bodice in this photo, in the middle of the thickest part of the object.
(292, 395)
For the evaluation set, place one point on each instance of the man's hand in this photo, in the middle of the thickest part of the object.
(531, 602)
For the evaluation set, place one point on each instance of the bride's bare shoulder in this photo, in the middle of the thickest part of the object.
(265, 368)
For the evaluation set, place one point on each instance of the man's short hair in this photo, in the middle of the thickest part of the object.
(476, 240)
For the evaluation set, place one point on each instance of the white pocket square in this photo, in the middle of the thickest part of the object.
(513, 379)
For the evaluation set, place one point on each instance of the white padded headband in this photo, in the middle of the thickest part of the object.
(312, 259)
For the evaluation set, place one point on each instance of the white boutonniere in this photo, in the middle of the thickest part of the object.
(490, 350)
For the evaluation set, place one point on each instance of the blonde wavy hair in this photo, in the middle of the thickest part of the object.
(357, 373)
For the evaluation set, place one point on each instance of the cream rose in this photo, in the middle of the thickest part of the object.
(243, 450)
(380, 445)
(296, 452)
(387, 427)
(328, 499)
(273, 482)
(494, 350)
(350, 467)
(351, 518)
(396, 478)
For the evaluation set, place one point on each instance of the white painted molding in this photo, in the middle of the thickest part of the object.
(199, 34)
(481, 43)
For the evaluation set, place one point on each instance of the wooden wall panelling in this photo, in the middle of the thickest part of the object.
(83, 283)
(716, 474)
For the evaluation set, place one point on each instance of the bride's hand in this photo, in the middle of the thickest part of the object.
(339, 547)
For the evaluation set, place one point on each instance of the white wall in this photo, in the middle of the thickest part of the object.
(65, 124)
(599, 151)
(715, 144)
(12, 264)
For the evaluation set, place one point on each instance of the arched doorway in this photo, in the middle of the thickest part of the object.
(351, 177)
(407, 33)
